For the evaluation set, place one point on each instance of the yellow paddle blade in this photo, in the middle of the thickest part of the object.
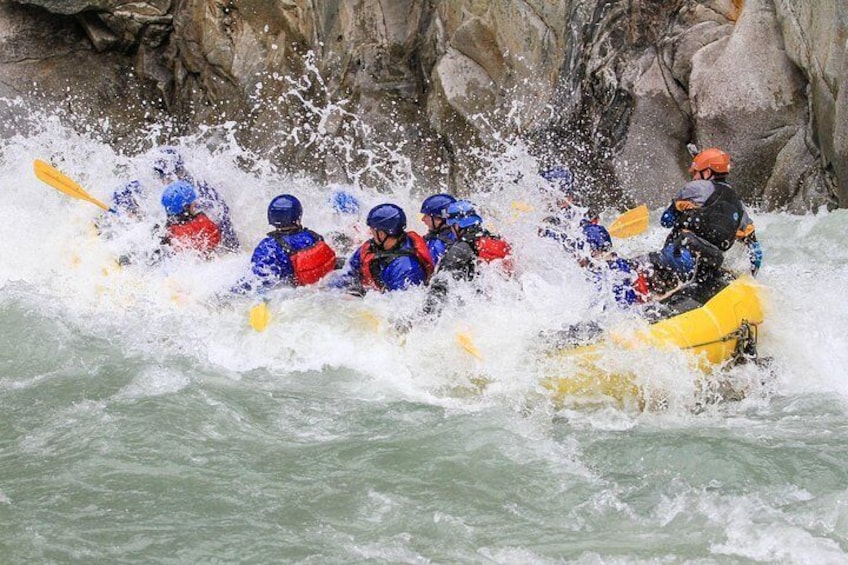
(370, 320)
(260, 317)
(631, 223)
(519, 207)
(48, 174)
(465, 342)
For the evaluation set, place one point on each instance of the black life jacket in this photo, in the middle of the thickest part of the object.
(718, 219)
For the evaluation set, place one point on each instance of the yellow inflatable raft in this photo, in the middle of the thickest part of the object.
(719, 331)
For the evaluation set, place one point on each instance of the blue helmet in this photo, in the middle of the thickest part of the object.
(344, 202)
(168, 163)
(389, 218)
(597, 237)
(462, 213)
(436, 204)
(284, 210)
(560, 177)
(177, 197)
(676, 259)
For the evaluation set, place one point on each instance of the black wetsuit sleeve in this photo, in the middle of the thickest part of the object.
(458, 263)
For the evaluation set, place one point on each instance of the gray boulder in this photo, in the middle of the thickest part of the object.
(432, 93)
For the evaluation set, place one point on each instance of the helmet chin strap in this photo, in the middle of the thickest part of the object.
(381, 241)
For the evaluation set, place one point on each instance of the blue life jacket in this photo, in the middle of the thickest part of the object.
(438, 242)
(622, 289)
(125, 199)
(677, 259)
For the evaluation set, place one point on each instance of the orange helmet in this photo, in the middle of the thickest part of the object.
(713, 158)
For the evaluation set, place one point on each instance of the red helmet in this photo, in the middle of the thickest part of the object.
(713, 159)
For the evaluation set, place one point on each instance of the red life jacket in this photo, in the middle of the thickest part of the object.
(310, 264)
(640, 286)
(197, 232)
(369, 253)
(490, 248)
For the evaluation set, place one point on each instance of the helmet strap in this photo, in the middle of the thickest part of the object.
(380, 238)
(294, 226)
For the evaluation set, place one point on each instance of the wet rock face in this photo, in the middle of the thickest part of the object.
(815, 37)
(615, 88)
(49, 60)
(746, 94)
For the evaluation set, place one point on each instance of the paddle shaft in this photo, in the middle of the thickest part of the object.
(51, 176)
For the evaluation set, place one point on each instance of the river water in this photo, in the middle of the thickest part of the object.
(144, 421)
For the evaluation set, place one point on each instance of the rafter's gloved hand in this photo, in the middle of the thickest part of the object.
(755, 253)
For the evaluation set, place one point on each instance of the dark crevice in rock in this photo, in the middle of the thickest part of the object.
(606, 68)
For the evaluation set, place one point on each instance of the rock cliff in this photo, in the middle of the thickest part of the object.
(426, 91)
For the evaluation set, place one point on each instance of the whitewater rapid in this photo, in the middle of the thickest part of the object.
(54, 261)
(139, 403)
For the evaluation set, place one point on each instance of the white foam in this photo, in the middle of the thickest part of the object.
(172, 310)
(155, 381)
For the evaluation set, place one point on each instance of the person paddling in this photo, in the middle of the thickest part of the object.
(393, 259)
(706, 217)
(709, 208)
(348, 229)
(290, 255)
(607, 270)
(169, 167)
(187, 229)
(567, 216)
(474, 246)
(439, 234)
